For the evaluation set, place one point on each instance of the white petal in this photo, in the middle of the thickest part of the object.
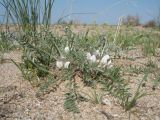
(59, 64)
(88, 55)
(97, 60)
(109, 62)
(104, 59)
(66, 65)
(66, 49)
(107, 57)
(93, 58)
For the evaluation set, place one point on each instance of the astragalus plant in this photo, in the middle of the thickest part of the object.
(49, 59)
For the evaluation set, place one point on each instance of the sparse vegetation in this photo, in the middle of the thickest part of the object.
(131, 20)
(90, 60)
(7, 43)
(43, 52)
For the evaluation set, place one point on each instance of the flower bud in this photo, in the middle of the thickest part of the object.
(93, 58)
(66, 64)
(66, 49)
(105, 59)
(59, 64)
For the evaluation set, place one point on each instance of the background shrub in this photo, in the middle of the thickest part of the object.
(131, 20)
(151, 24)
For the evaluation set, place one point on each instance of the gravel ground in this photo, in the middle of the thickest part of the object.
(18, 100)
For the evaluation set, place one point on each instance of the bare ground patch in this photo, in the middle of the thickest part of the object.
(18, 98)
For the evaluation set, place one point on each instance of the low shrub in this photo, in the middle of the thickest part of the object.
(48, 60)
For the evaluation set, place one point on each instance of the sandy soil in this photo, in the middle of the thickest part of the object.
(18, 99)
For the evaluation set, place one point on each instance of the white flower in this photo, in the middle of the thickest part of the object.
(66, 64)
(93, 58)
(88, 55)
(66, 49)
(59, 64)
(105, 59)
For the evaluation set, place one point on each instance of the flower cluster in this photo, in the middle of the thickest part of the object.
(92, 57)
(61, 63)
(95, 57)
